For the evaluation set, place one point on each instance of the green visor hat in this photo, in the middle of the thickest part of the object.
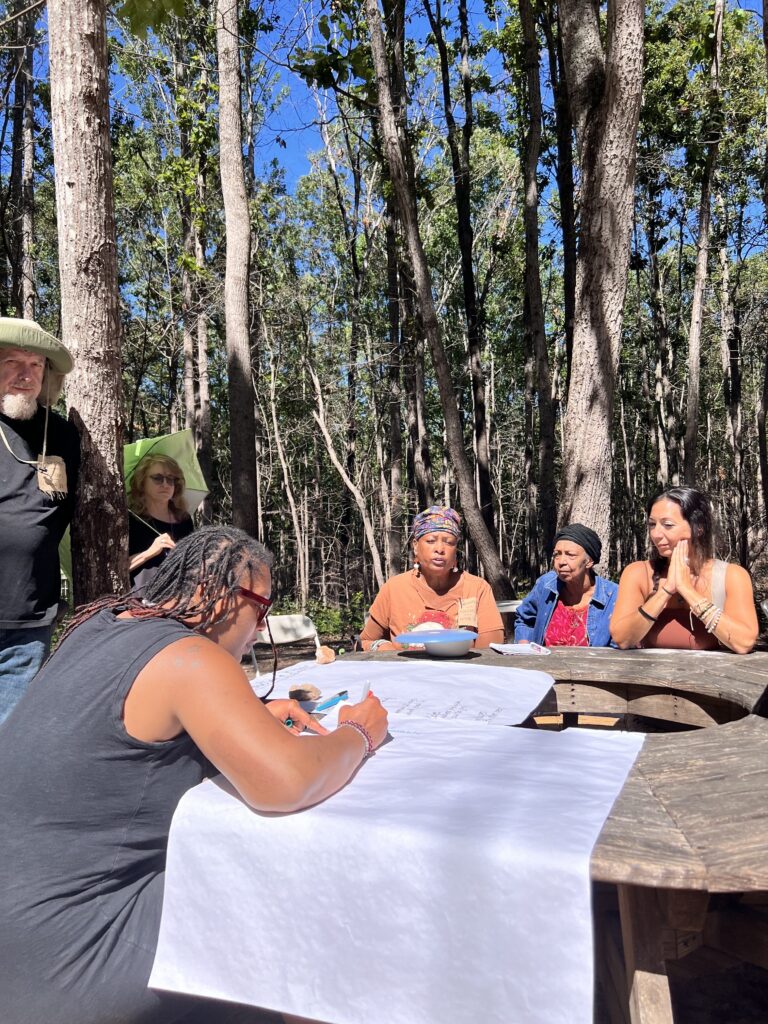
(27, 334)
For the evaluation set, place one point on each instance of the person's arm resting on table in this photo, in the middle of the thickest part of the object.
(195, 686)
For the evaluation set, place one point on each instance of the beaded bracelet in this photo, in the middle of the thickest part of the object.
(378, 643)
(369, 747)
(711, 617)
(712, 625)
(701, 607)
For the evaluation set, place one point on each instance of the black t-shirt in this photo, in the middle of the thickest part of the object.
(142, 532)
(32, 522)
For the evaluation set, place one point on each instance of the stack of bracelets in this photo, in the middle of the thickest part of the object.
(708, 613)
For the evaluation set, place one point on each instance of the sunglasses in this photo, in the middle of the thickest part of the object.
(161, 478)
(264, 604)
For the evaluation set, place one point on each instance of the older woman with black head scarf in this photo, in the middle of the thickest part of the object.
(435, 590)
(571, 605)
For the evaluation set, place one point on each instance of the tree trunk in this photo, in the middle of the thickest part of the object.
(564, 136)
(532, 561)
(28, 176)
(301, 561)
(421, 460)
(236, 306)
(604, 90)
(730, 355)
(203, 431)
(762, 441)
(400, 164)
(353, 489)
(90, 305)
(395, 544)
(666, 417)
(459, 140)
(17, 162)
(702, 252)
(533, 315)
(181, 85)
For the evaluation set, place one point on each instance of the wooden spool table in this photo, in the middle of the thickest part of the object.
(691, 821)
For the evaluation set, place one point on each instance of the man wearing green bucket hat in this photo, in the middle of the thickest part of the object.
(39, 461)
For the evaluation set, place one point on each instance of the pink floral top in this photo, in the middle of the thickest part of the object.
(567, 627)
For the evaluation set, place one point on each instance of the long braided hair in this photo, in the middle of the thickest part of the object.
(202, 569)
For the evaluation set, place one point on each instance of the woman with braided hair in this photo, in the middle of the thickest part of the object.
(141, 700)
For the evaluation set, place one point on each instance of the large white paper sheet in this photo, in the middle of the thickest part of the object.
(426, 689)
(448, 882)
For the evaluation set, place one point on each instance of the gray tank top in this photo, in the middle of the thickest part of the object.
(85, 811)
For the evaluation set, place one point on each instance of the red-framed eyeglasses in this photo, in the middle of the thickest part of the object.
(264, 603)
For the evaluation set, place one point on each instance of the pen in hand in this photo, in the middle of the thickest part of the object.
(331, 702)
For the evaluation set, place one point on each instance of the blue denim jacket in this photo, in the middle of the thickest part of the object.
(534, 613)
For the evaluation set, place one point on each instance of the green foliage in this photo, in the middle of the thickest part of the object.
(142, 15)
(319, 281)
(333, 623)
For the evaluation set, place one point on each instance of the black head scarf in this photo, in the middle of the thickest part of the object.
(582, 535)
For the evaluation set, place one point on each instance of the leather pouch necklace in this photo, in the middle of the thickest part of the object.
(51, 470)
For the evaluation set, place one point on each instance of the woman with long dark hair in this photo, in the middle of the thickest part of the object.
(141, 700)
(682, 596)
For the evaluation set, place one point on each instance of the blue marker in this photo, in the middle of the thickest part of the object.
(331, 702)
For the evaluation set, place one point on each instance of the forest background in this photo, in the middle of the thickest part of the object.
(509, 257)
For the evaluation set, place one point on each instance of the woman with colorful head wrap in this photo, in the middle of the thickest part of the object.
(571, 605)
(435, 590)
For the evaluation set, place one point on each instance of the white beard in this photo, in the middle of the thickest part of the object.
(18, 407)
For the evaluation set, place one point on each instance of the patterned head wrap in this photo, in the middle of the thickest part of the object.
(436, 518)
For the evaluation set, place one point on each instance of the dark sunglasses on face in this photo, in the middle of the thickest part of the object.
(161, 478)
(264, 603)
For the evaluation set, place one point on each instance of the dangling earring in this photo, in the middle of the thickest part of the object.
(417, 567)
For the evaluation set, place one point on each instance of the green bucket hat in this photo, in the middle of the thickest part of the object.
(27, 334)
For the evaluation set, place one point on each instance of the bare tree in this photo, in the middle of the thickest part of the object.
(702, 254)
(89, 290)
(27, 290)
(762, 411)
(604, 87)
(236, 305)
(400, 163)
(533, 319)
(459, 141)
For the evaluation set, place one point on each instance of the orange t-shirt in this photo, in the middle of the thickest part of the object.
(406, 600)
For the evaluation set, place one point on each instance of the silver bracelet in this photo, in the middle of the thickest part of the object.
(711, 626)
(377, 644)
(369, 747)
